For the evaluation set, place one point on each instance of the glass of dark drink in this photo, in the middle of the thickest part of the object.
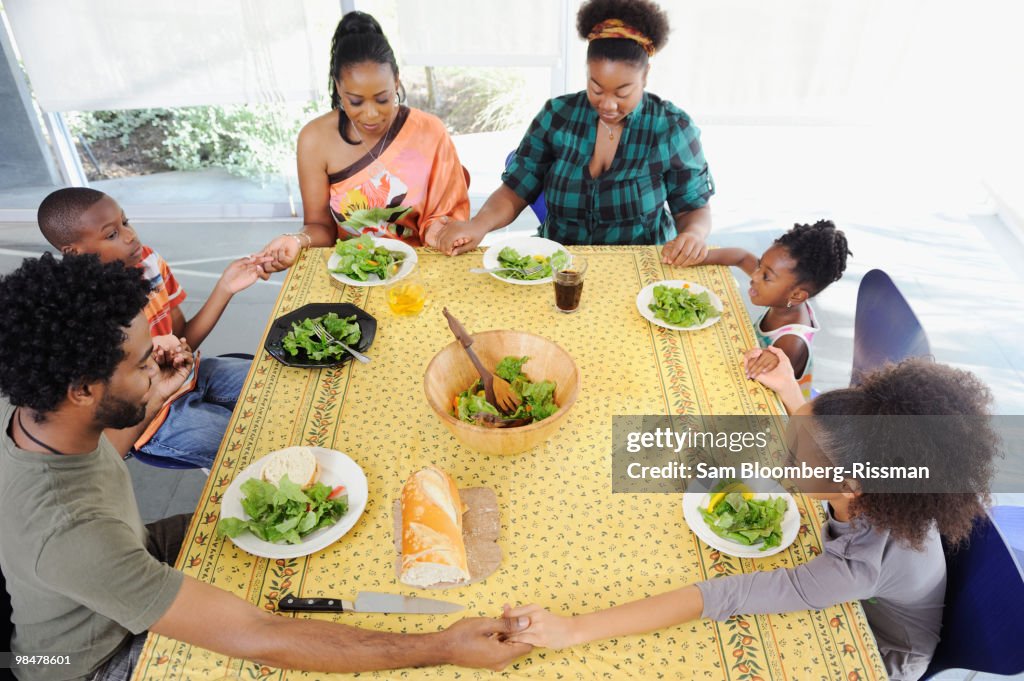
(569, 284)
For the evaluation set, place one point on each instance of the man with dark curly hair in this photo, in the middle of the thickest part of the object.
(87, 579)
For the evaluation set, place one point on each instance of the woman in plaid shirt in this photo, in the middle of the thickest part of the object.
(610, 158)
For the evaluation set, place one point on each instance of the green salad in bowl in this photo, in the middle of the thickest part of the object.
(538, 399)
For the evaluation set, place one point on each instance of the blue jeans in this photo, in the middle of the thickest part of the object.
(197, 420)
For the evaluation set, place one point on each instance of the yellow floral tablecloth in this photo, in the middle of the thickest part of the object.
(568, 543)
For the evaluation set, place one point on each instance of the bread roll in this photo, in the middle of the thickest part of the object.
(298, 463)
(432, 547)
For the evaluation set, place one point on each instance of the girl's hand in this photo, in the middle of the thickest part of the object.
(546, 630)
(685, 250)
(281, 252)
(757, 361)
(780, 377)
(244, 272)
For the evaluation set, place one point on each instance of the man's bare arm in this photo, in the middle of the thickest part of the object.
(214, 619)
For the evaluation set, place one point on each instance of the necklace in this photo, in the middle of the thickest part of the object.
(32, 437)
(611, 133)
(380, 144)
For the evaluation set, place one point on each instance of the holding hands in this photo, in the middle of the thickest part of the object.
(174, 361)
(244, 272)
(540, 628)
(455, 237)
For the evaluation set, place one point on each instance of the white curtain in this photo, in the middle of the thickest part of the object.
(83, 55)
(478, 32)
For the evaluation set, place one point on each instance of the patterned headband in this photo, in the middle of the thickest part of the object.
(615, 28)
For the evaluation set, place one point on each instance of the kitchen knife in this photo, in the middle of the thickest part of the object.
(368, 601)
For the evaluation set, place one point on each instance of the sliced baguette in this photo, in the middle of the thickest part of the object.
(298, 463)
(433, 550)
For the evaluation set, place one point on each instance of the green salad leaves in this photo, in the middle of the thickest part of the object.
(285, 512)
(359, 258)
(303, 337)
(680, 307)
(747, 521)
(538, 399)
(509, 257)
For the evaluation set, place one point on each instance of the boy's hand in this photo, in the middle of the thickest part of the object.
(244, 272)
(282, 253)
(545, 630)
(758, 361)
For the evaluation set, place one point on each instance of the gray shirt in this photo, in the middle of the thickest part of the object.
(902, 590)
(73, 551)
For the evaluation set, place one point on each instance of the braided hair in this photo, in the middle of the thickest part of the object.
(643, 15)
(820, 253)
(358, 39)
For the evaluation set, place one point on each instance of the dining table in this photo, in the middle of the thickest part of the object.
(568, 542)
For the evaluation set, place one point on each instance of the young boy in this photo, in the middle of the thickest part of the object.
(79, 220)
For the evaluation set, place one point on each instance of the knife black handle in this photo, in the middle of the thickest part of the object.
(291, 603)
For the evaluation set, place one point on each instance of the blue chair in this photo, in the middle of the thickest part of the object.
(984, 598)
(538, 207)
(885, 328)
(174, 464)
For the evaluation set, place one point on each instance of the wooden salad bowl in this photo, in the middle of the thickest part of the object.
(450, 372)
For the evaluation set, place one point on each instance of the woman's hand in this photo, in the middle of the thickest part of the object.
(457, 237)
(685, 250)
(546, 630)
(280, 254)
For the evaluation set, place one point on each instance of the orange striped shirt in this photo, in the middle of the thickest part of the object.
(165, 292)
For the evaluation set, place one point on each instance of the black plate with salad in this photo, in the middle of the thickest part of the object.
(282, 350)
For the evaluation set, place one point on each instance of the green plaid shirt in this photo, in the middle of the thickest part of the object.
(659, 161)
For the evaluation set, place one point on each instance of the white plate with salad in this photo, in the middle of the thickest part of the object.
(371, 261)
(679, 305)
(769, 529)
(335, 470)
(525, 252)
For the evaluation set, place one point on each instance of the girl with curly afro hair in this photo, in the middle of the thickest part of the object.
(880, 546)
(798, 265)
(613, 164)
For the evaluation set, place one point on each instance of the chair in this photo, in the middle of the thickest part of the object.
(984, 598)
(174, 464)
(538, 207)
(885, 328)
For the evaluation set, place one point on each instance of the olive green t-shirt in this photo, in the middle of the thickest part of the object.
(73, 551)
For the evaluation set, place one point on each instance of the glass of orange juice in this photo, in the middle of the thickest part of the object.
(407, 296)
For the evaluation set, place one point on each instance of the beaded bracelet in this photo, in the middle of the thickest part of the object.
(296, 235)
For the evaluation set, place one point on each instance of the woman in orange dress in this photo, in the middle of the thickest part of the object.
(372, 165)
